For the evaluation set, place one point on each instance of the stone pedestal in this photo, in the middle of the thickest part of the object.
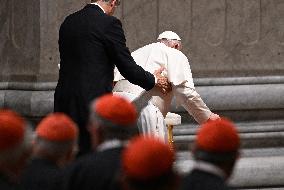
(29, 53)
(222, 39)
(28, 38)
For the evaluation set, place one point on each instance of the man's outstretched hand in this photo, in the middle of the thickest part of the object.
(162, 82)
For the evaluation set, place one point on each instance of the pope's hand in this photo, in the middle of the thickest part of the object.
(162, 82)
(213, 117)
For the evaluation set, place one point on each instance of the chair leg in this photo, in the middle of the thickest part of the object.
(170, 136)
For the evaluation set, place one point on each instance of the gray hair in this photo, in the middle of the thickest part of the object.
(111, 130)
(54, 149)
(106, 1)
(93, 1)
(170, 42)
(12, 155)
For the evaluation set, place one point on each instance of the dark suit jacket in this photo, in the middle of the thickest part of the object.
(94, 171)
(7, 184)
(41, 174)
(200, 180)
(91, 43)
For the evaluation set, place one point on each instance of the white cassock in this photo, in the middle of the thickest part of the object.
(153, 105)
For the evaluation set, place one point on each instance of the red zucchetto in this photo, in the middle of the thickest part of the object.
(57, 127)
(12, 129)
(218, 136)
(147, 158)
(115, 109)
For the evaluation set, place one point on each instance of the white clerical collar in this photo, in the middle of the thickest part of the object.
(99, 6)
(210, 168)
(110, 144)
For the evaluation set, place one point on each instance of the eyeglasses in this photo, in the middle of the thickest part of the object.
(175, 43)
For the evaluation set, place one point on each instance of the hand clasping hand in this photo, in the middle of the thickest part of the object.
(162, 82)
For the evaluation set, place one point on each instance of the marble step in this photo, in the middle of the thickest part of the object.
(256, 168)
(253, 134)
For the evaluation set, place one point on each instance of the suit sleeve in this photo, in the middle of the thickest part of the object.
(116, 48)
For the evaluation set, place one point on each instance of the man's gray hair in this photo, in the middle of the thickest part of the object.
(171, 43)
(112, 130)
(106, 1)
(93, 1)
(54, 149)
(12, 155)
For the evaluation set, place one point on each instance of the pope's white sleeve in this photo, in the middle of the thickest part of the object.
(117, 75)
(192, 102)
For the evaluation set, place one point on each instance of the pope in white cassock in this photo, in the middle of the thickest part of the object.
(152, 105)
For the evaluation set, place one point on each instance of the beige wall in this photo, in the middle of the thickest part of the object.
(221, 37)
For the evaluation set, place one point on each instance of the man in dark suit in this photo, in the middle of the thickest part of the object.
(112, 123)
(15, 148)
(91, 43)
(216, 151)
(53, 148)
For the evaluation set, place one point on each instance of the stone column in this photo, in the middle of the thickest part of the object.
(29, 53)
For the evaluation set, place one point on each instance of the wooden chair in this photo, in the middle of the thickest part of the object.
(172, 119)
